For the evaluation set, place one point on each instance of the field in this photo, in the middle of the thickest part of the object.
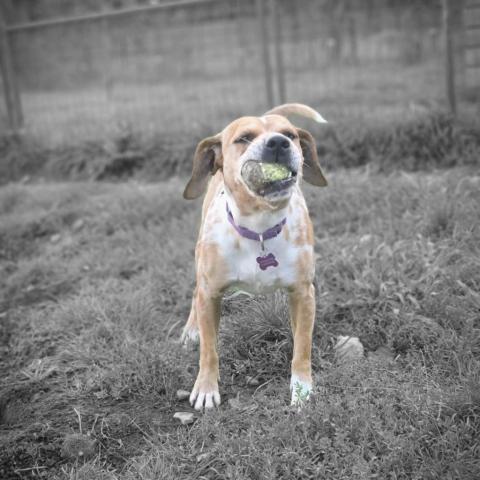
(95, 286)
(96, 277)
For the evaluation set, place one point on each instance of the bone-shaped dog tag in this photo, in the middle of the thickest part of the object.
(267, 261)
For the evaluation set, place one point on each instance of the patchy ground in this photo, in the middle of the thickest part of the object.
(95, 286)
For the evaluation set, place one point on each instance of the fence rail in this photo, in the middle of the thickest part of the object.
(106, 14)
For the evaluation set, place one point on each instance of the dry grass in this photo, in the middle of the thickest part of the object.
(96, 282)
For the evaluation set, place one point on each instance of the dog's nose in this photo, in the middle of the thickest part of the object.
(277, 149)
(278, 142)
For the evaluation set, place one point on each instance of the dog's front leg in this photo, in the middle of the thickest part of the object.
(302, 317)
(205, 391)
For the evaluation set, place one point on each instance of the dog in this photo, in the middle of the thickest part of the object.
(255, 236)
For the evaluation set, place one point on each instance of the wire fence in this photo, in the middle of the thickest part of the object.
(194, 65)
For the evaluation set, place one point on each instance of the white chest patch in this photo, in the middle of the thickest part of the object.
(244, 273)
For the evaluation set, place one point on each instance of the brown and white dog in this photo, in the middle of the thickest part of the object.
(254, 239)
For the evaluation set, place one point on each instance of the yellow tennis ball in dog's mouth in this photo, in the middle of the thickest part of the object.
(259, 175)
(273, 172)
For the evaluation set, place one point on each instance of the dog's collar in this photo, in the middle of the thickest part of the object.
(245, 232)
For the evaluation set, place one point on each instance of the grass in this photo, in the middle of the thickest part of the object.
(96, 282)
(421, 141)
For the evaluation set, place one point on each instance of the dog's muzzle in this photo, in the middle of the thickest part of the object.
(275, 171)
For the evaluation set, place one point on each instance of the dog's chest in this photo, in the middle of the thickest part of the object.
(248, 267)
(257, 271)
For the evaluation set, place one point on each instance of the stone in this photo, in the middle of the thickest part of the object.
(235, 403)
(182, 394)
(55, 238)
(382, 355)
(348, 349)
(78, 224)
(185, 418)
(77, 445)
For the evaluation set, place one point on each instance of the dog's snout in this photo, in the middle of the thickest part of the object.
(278, 142)
(277, 149)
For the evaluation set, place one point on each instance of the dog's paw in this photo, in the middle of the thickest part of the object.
(190, 337)
(205, 395)
(300, 389)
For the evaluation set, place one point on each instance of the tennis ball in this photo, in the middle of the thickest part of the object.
(256, 174)
(273, 172)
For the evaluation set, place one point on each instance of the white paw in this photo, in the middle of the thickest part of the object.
(190, 336)
(200, 399)
(300, 390)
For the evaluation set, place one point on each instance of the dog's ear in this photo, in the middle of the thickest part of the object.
(206, 161)
(312, 172)
(297, 109)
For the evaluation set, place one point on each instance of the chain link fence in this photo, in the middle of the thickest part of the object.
(195, 65)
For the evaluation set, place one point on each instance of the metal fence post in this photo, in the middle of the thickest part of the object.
(449, 59)
(10, 86)
(260, 4)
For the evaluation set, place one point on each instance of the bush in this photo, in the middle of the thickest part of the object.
(436, 140)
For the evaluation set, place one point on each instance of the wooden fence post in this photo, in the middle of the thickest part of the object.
(449, 59)
(265, 52)
(277, 47)
(352, 32)
(10, 86)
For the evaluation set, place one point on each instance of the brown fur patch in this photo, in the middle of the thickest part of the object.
(304, 231)
(212, 270)
(306, 267)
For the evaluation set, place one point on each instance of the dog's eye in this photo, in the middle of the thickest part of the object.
(290, 135)
(245, 138)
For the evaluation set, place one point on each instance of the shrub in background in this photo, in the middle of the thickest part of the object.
(434, 140)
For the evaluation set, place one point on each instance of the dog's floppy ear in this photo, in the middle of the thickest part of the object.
(206, 161)
(312, 172)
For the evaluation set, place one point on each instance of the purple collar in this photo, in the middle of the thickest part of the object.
(250, 234)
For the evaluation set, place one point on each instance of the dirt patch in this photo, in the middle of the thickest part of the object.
(23, 240)
(27, 447)
(38, 420)
(25, 295)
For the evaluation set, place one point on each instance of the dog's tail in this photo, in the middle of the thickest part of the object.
(297, 109)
